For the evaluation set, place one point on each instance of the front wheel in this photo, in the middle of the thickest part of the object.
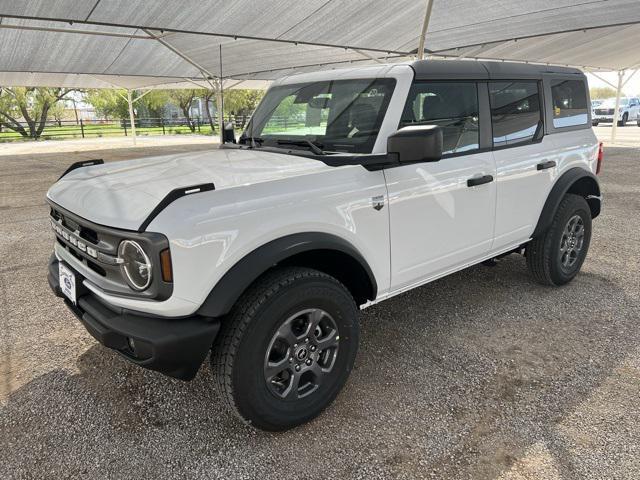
(555, 257)
(287, 348)
(595, 123)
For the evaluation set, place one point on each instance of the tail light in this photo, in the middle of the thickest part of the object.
(600, 158)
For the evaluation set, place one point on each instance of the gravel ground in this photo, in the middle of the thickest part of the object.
(487, 375)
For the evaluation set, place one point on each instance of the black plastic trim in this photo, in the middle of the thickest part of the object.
(109, 239)
(560, 188)
(546, 165)
(227, 291)
(484, 70)
(171, 197)
(173, 346)
(474, 182)
(416, 143)
(82, 164)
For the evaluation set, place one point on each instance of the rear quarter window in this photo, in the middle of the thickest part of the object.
(569, 98)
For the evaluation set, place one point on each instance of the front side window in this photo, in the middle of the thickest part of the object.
(336, 115)
(515, 111)
(453, 106)
(569, 99)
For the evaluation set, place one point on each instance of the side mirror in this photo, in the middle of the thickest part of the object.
(228, 134)
(416, 143)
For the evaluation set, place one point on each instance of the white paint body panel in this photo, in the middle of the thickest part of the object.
(432, 224)
(437, 221)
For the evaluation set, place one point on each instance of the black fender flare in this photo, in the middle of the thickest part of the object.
(588, 188)
(238, 278)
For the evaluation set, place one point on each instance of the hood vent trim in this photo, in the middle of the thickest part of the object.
(171, 197)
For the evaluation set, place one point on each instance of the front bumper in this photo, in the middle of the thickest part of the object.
(173, 346)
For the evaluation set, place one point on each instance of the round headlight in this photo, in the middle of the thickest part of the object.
(136, 266)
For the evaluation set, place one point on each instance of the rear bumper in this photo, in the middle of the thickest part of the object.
(173, 346)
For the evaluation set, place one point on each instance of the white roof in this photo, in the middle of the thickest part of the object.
(146, 43)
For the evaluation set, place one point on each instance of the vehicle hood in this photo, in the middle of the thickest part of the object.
(122, 194)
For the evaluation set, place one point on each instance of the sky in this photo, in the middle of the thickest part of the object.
(632, 88)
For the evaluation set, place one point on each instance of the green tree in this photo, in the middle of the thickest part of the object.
(209, 97)
(183, 99)
(601, 92)
(57, 112)
(154, 102)
(242, 101)
(109, 103)
(25, 109)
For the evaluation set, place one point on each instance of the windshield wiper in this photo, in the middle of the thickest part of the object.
(315, 147)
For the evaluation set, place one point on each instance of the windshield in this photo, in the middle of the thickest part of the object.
(611, 102)
(336, 115)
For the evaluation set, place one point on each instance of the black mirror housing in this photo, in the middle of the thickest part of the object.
(228, 134)
(416, 143)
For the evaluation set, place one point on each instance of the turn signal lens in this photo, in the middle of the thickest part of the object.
(165, 266)
(600, 158)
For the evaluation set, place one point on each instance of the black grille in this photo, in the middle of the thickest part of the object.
(84, 232)
(604, 111)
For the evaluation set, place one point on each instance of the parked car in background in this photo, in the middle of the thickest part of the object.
(628, 110)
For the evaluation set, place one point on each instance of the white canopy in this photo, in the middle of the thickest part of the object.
(152, 43)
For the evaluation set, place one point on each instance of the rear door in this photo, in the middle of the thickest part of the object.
(526, 160)
(439, 220)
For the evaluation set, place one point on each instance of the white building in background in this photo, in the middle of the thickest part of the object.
(76, 109)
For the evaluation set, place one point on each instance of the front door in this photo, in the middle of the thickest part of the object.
(441, 213)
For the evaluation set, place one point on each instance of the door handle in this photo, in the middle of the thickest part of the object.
(545, 165)
(472, 182)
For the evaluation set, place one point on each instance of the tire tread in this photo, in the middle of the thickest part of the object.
(235, 324)
(539, 249)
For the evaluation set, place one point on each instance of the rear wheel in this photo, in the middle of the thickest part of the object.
(623, 122)
(595, 123)
(287, 348)
(556, 256)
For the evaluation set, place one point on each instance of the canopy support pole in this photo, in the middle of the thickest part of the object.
(616, 112)
(221, 100)
(425, 25)
(220, 111)
(131, 117)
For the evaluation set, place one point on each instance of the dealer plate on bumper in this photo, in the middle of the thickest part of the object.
(67, 282)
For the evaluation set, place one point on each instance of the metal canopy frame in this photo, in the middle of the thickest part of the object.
(156, 33)
(173, 36)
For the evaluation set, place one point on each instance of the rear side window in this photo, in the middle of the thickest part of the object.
(569, 103)
(453, 106)
(515, 111)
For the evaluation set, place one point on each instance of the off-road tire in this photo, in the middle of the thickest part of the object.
(238, 354)
(544, 256)
(623, 122)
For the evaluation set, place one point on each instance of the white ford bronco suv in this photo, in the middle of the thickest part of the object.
(346, 188)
